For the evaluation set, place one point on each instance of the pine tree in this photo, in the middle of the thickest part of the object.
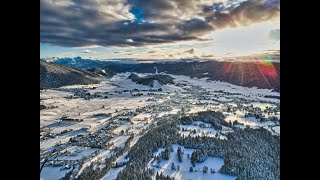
(173, 167)
(179, 154)
(205, 169)
(191, 169)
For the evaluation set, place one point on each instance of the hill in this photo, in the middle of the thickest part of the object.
(151, 79)
(56, 75)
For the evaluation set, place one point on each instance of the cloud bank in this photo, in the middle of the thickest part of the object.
(74, 23)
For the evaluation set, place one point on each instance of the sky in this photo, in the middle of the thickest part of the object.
(159, 29)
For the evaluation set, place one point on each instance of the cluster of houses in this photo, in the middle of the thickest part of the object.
(66, 118)
(138, 90)
(45, 133)
(83, 93)
(93, 140)
(65, 164)
(87, 95)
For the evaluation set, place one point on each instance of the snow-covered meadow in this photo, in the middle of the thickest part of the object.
(165, 166)
(114, 111)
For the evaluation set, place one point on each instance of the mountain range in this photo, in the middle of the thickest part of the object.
(248, 74)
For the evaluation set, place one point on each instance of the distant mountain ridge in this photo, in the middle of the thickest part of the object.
(75, 62)
(246, 74)
(55, 75)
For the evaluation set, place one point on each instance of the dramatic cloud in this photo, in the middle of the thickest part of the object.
(74, 23)
(248, 12)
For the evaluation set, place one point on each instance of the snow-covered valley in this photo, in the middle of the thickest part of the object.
(93, 128)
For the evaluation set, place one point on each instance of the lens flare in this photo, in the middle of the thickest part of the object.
(228, 67)
(260, 69)
(266, 67)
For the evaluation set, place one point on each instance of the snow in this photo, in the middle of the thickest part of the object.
(158, 151)
(175, 110)
(200, 131)
(211, 162)
(250, 121)
(196, 109)
(122, 81)
(84, 109)
(135, 140)
(156, 84)
(118, 141)
(52, 173)
(112, 174)
(212, 86)
(122, 158)
(141, 116)
(212, 94)
(81, 152)
(99, 157)
(103, 154)
(53, 94)
(49, 143)
(276, 129)
(262, 106)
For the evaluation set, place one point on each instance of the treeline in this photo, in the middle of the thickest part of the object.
(163, 177)
(216, 119)
(90, 173)
(252, 154)
(141, 153)
(248, 153)
(198, 156)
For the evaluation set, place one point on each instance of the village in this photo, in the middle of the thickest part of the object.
(95, 126)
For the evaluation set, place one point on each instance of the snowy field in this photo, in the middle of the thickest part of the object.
(78, 153)
(211, 162)
(118, 141)
(112, 174)
(276, 129)
(52, 173)
(200, 131)
(119, 107)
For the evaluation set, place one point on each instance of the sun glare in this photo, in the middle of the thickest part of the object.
(242, 41)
